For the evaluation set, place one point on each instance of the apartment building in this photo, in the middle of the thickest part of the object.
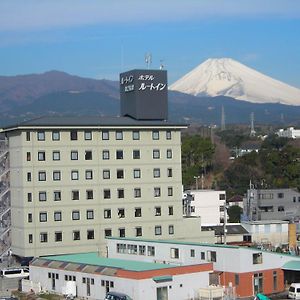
(272, 204)
(76, 180)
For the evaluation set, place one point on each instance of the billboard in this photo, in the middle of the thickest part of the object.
(144, 94)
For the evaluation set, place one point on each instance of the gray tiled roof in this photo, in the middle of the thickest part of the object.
(90, 121)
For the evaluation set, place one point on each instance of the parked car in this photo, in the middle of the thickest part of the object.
(117, 296)
(294, 291)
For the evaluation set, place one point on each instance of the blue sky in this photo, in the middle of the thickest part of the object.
(101, 38)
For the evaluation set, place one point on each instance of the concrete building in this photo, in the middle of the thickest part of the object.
(244, 271)
(207, 204)
(272, 204)
(76, 180)
(290, 133)
(94, 276)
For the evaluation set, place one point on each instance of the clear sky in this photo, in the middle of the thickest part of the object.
(101, 38)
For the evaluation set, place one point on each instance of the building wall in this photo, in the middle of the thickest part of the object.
(161, 215)
(182, 286)
(208, 204)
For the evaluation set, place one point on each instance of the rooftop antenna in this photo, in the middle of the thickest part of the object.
(252, 131)
(148, 60)
(223, 119)
(161, 66)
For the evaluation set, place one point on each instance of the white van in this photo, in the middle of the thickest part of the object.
(294, 291)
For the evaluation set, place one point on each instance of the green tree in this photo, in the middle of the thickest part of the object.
(234, 212)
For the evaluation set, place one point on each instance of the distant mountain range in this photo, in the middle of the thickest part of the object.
(28, 96)
(227, 77)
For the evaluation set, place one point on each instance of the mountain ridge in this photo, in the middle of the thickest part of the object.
(227, 77)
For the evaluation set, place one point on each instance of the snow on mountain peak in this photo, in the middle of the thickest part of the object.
(228, 77)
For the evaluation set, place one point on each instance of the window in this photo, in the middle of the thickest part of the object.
(170, 172)
(120, 193)
(75, 215)
(105, 154)
(90, 235)
(171, 229)
(294, 198)
(275, 282)
(76, 235)
(43, 237)
(58, 236)
(136, 173)
(138, 231)
(73, 135)
(138, 212)
(137, 193)
(106, 194)
(41, 156)
(57, 195)
(42, 176)
(28, 176)
(280, 208)
(88, 155)
(169, 153)
(157, 230)
(156, 154)
(74, 175)
(57, 216)
(119, 135)
(74, 155)
(41, 135)
(171, 211)
(192, 252)
(119, 154)
(106, 174)
(155, 135)
(87, 135)
(56, 155)
(135, 135)
(156, 172)
(107, 213)
(222, 197)
(56, 175)
(151, 251)
(43, 217)
(168, 134)
(90, 214)
(107, 232)
(88, 174)
(136, 154)
(55, 136)
(27, 136)
(174, 253)
(157, 211)
(121, 212)
(120, 173)
(257, 258)
(105, 135)
(203, 255)
(89, 194)
(75, 195)
(30, 238)
(212, 256)
(42, 196)
(28, 156)
(156, 192)
(142, 250)
(121, 232)
(29, 197)
(29, 218)
(280, 195)
(236, 279)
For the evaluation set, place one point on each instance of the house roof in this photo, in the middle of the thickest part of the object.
(231, 229)
(93, 259)
(90, 121)
(293, 265)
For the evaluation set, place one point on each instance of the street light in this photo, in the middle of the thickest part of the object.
(196, 179)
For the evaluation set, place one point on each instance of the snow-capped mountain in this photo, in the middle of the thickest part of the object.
(227, 77)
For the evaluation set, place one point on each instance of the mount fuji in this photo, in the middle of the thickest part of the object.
(227, 77)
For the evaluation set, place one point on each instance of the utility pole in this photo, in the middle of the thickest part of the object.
(196, 179)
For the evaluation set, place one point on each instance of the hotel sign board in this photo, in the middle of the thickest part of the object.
(144, 94)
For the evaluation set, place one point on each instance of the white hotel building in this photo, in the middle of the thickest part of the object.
(76, 180)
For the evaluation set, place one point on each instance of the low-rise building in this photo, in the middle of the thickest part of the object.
(290, 132)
